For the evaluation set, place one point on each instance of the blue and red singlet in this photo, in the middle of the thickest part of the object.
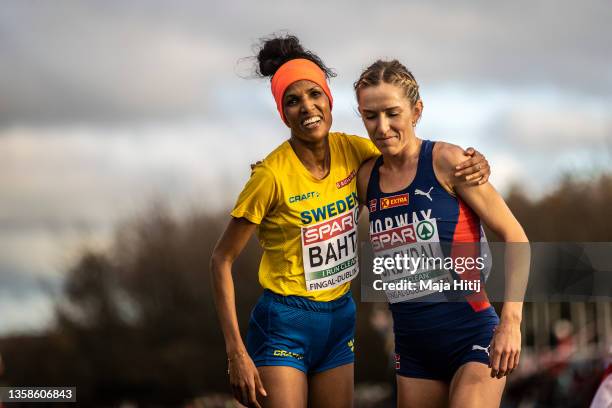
(436, 331)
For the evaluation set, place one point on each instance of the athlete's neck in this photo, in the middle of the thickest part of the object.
(315, 156)
(407, 157)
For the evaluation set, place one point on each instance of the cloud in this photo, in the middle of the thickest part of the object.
(85, 178)
(86, 64)
(31, 313)
(553, 127)
(74, 62)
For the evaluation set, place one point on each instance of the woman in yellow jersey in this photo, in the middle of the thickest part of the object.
(302, 199)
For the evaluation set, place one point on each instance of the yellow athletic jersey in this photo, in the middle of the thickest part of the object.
(307, 227)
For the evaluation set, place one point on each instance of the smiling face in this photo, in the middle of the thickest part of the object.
(306, 108)
(388, 116)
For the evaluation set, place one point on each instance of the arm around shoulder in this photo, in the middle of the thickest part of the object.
(483, 199)
(446, 156)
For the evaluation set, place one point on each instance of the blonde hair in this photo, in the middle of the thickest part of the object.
(390, 72)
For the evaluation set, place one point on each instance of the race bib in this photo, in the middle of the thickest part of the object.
(329, 251)
(417, 245)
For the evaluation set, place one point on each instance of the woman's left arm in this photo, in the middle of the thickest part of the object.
(493, 211)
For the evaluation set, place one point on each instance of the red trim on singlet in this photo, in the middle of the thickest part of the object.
(468, 230)
(607, 372)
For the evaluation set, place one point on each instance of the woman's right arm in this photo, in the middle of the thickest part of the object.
(244, 376)
(363, 177)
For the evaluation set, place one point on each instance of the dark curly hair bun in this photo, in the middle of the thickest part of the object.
(275, 51)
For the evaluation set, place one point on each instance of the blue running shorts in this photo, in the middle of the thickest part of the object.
(435, 343)
(301, 333)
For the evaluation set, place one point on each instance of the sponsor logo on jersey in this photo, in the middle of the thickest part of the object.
(329, 229)
(384, 235)
(426, 194)
(372, 205)
(345, 181)
(302, 197)
(397, 361)
(330, 210)
(284, 353)
(425, 230)
(393, 238)
(394, 201)
(351, 345)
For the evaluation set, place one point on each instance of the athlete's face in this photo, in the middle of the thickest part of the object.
(307, 111)
(388, 116)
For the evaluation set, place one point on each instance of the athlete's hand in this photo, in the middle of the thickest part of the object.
(245, 380)
(505, 349)
(476, 169)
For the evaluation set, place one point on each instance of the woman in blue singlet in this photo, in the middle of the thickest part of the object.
(451, 347)
(300, 349)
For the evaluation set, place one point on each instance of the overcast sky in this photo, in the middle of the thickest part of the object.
(105, 106)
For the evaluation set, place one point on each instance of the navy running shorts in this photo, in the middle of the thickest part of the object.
(434, 343)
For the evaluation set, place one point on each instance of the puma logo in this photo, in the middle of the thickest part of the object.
(485, 349)
(426, 194)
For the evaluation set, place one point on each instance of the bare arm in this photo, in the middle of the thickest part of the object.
(230, 245)
(494, 212)
(363, 176)
(243, 374)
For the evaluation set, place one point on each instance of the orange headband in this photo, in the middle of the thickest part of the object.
(296, 70)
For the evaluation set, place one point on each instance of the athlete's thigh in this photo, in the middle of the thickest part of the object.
(332, 388)
(421, 393)
(285, 386)
(472, 386)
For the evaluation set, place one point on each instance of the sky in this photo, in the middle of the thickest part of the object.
(107, 106)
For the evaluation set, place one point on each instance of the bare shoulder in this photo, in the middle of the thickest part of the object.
(366, 169)
(363, 176)
(447, 155)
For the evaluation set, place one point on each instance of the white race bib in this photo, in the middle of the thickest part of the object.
(329, 251)
(419, 244)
